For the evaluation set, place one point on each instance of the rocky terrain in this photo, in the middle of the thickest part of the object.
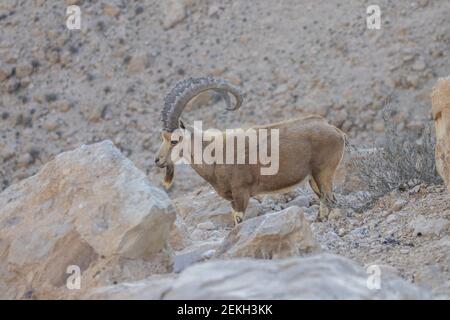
(101, 207)
(93, 209)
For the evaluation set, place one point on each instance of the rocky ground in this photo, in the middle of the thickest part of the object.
(93, 209)
(61, 89)
(408, 231)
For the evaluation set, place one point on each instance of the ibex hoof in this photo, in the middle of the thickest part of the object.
(324, 211)
(238, 217)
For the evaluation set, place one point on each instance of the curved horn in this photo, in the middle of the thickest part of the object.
(185, 90)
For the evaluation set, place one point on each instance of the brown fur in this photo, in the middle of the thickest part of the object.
(309, 148)
(440, 99)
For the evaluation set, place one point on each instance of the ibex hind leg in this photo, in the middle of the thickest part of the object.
(314, 186)
(323, 183)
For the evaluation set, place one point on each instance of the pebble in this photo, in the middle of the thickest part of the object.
(207, 225)
(23, 70)
(398, 205)
(174, 13)
(24, 160)
(7, 152)
(335, 214)
(419, 65)
(63, 106)
(51, 125)
(208, 254)
(111, 10)
(414, 190)
(138, 64)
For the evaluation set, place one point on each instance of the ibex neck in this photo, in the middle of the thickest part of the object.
(206, 171)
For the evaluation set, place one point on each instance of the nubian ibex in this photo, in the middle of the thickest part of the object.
(308, 148)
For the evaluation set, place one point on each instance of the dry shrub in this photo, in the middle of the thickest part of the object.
(404, 160)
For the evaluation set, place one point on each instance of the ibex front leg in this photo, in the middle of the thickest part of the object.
(239, 204)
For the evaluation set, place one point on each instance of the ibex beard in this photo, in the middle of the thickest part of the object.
(301, 148)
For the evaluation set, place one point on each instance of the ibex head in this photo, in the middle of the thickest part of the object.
(174, 103)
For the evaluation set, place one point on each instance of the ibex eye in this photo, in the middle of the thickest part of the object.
(173, 142)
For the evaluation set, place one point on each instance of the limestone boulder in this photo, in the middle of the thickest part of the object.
(273, 235)
(90, 208)
(321, 276)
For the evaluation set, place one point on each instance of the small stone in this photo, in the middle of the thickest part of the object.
(174, 13)
(5, 71)
(63, 106)
(23, 70)
(280, 90)
(95, 114)
(276, 207)
(378, 126)
(6, 152)
(208, 254)
(207, 225)
(300, 201)
(138, 64)
(244, 39)
(423, 3)
(213, 10)
(51, 97)
(24, 160)
(422, 226)
(413, 80)
(234, 79)
(419, 65)
(51, 125)
(398, 205)
(311, 213)
(111, 10)
(139, 10)
(414, 190)
(407, 57)
(391, 218)
(217, 72)
(341, 232)
(335, 214)
(135, 106)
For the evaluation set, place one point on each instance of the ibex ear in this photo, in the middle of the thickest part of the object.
(181, 124)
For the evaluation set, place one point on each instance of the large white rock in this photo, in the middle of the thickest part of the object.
(90, 207)
(322, 276)
(273, 235)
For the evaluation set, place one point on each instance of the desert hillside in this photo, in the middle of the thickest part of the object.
(63, 88)
(80, 127)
